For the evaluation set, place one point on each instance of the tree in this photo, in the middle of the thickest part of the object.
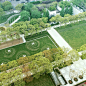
(35, 14)
(3, 67)
(28, 7)
(45, 19)
(66, 10)
(62, 12)
(52, 8)
(6, 5)
(66, 15)
(45, 13)
(22, 60)
(33, 21)
(19, 7)
(25, 15)
(1, 12)
(34, 8)
(0, 4)
(65, 20)
(82, 48)
(40, 65)
(19, 83)
(12, 64)
(31, 29)
(73, 54)
(48, 55)
(53, 19)
(70, 10)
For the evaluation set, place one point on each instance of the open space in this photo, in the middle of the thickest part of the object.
(42, 81)
(74, 34)
(32, 46)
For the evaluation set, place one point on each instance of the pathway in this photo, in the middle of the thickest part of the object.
(58, 38)
(15, 21)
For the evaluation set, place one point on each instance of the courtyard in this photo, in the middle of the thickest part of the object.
(32, 46)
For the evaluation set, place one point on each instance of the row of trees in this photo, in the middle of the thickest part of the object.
(31, 11)
(66, 11)
(54, 54)
(32, 27)
(68, 18)
(39, 64)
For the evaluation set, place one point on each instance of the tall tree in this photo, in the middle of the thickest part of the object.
(35, 14)
(70, 10)
(28, 7)
(19, 7)
(7, 5)
(25, 15)
(66, 10)
(1, 12)
(62, 12)
(73, 54)
(45, 13)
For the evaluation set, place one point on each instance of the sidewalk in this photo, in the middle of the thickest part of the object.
(15, 21)
(58, 39)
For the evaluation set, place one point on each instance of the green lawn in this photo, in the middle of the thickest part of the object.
(34, 44)
(42, 81)
(74, 34)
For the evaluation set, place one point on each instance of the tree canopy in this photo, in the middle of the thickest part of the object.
(7, 5)
(35, 14)
(19, 7)
(1, 12)
(25, 15)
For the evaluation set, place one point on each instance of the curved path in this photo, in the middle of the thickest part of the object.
(2, 24)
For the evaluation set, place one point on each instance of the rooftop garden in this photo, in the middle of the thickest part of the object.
(32, 46)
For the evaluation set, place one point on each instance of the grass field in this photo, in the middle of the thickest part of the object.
(34, 44)
(42, 81)
(74, 34)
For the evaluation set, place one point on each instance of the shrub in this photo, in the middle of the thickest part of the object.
(52, 8)
(22, 60)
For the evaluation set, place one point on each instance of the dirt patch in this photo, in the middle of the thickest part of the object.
(11, 43)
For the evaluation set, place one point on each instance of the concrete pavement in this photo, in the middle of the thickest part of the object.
(58, 38)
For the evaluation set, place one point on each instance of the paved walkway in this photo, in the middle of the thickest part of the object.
(15, 21)
(58, 38)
